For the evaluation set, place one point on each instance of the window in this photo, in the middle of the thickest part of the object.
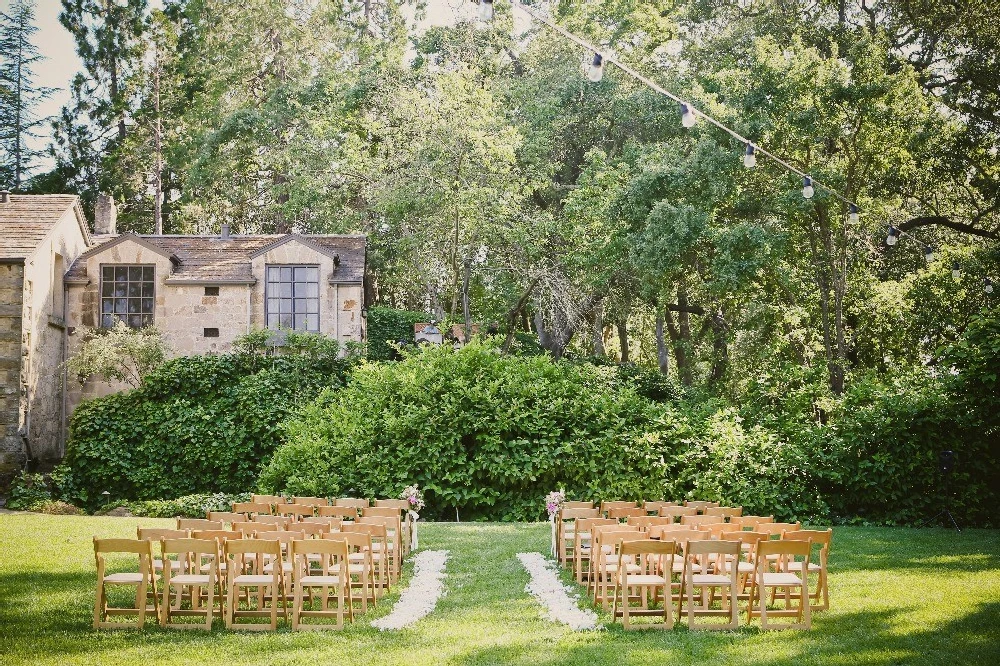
(211, 291)
(293, 298)
(127, 293)
(211, 332)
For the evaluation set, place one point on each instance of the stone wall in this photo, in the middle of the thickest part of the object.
(11, 303)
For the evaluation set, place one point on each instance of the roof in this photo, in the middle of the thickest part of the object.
(212, 259)
(26, 220)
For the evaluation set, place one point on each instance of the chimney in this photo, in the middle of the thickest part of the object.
(4, 196)
(225, 232)
(105, 215)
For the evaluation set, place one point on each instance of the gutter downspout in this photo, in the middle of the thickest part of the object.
(64, 409)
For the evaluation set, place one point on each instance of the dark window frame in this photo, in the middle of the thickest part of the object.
(129, 290)
(211, 291)
(292, 297)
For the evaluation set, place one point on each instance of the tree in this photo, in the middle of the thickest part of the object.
(120, 354)
(19, 95)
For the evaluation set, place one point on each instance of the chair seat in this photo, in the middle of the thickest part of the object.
(319, 580)
(189, 579)
(644, 579)
(174, 565)
(679, 566)
(742, 567)
(710, 579)
(285, 566)
(252, 579)
(797, 566)
(781, 580)
(123, 578)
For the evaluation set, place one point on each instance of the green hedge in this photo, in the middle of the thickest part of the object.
(196, 424)
(189, 506)
(387, 326)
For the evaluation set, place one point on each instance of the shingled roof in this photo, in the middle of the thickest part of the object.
(212, 259)
(26, 219)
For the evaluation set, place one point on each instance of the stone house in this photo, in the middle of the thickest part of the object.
(201, 292)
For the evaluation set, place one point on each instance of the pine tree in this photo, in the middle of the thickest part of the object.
(19, 96)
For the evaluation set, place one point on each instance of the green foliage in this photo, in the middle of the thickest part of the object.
(477, 431)
(196, 424)
(388, 326)
(28, 490)
(188, 506)
(118, 354)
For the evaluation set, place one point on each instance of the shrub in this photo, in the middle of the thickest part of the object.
(196, 424)
(56, 508)
(387, 326)
(189, 506)
(28, 490)
(481, 432)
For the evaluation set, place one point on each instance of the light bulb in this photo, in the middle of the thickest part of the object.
(956, 271)
(989, 285)
(893, 236)
(853, 217)
(485, 10)
(750, 160)
(596, 70)
(928, 253)
(807, 188)
(688, 118)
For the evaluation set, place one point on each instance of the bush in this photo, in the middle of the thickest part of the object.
(387, 326)
(484, 433)
(56, 508)
(189, 506)
(28, 490)
(196, 424)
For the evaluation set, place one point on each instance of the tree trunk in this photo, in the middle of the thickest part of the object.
(598, 330)
(465, 299)
(622, 326)
(662, 355)
(515, 312)
(158, 149)
(720, 347)
(680, 353)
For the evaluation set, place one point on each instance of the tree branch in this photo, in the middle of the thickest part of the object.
(962, 227)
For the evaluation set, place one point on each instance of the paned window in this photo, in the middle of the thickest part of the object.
(293, 298)
(127, 293)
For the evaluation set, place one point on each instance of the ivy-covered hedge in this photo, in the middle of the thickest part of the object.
(387, 326)
(196, 424)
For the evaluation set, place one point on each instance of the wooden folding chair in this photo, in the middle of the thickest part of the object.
(143, 581)
(582, 543)
(617, 504)
(272, 500)
(227, 516)
(699, 558)
(361, 568)
(219, 537)
(401, 504)
(744, 565)
(244, 564)
(676, 512)
(342, 512)
(645, 522)
(200, 572)
(702, 521)
(249, 527)
(154, 535)
(724, 511)
(823, 539)
(750, 522)
(311, 501)
(381, 561)
(280, 521)
(652, 508)
(295, 512)
(320, 576)
(777, 529)
(565, 529)
(332, 524)
(604, 560)
(392, 547)
(577, 504)
(643, 567)
(198, 524)
(620, 512)
(355, 502)
(252, 508)
(310, 528)
(699, 505)
(771, 574)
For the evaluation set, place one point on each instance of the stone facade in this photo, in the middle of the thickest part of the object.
(207, 291)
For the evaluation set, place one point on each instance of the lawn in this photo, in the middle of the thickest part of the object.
(898, 596)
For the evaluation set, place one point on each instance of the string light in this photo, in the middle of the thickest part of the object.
(893, 236)
(988, 285)
(853, 217)
(750, 160)
(956, 270)
(807, 187)
(928, 253)
(596, 70)
(485, 10)
(688, 118)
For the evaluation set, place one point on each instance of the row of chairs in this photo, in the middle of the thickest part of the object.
(261, 565)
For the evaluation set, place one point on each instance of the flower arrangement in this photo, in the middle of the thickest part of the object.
(554, 501)
(414, 496)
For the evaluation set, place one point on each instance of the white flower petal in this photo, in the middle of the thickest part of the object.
(560, 605)
(421, 596)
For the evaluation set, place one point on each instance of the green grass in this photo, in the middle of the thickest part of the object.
(898, 596)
